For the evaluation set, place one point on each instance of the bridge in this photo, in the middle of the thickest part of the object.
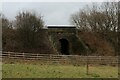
(64, 39)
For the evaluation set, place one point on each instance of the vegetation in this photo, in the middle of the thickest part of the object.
(97, 45)
(102, 22)
(118, 29)
(25, 34)
(28, 27)
(57, 71)
(97, 18)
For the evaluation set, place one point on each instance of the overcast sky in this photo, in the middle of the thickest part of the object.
(53, 13)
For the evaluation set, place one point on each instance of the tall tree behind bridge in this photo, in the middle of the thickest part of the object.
(97, 18)
(28, 26)
(101, 19)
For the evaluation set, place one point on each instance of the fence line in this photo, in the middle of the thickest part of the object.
(74, 59)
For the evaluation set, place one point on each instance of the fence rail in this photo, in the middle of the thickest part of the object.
(74, 59)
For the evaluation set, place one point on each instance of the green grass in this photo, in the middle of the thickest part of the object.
(57, 71)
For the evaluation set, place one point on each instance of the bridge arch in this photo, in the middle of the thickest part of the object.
(64, 46)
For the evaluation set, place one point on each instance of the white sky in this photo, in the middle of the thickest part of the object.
(54, 12)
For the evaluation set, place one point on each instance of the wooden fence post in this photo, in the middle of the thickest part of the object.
(87, 65)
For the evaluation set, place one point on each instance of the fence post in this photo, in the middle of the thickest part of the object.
(8, 55)
(87, 64)
(23, 55)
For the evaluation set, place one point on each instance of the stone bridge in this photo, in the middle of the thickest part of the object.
(65, 40)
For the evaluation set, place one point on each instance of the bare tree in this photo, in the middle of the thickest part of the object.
(8, 35)
(118, 40)
(97, 18)
(0, 32)
(102, 19)
(28, 26)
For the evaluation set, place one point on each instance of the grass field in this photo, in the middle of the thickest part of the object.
(57, 71)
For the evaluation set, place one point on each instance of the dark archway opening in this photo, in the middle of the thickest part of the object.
(64, 48)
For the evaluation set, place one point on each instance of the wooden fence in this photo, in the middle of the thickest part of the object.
(67, 59)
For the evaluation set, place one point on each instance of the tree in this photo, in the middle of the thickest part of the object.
(95, 18)
(101, 20)
(8, 34)
(118, 30)
(28, 26)
(25, 34)
(0, 32)
(5, 26)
